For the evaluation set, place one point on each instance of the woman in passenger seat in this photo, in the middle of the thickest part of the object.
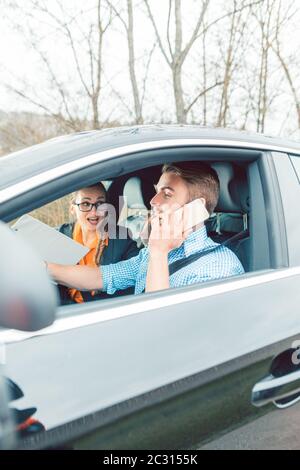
(88, 215)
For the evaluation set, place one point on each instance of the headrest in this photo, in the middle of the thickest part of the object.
(134, 212)
(240, 192)
(234, 195)
(133, 193)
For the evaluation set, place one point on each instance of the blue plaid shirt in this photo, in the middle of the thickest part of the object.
(216, 265)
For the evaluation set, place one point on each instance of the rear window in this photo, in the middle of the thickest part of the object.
(296, 164)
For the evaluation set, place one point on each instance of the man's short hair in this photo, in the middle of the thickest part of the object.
(202, 181)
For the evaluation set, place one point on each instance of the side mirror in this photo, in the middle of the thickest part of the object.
(7, 426)
(28, 300)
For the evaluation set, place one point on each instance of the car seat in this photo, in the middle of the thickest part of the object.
(232, 212)
(137, 194)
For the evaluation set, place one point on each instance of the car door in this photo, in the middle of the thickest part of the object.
(166, 370)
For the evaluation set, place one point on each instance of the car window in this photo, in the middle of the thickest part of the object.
(57, 212)
(296, 164)
(230, 219)
(54, 214)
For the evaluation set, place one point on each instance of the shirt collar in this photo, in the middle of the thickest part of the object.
(196, 241)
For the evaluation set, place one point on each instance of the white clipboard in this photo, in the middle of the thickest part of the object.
(49, 243)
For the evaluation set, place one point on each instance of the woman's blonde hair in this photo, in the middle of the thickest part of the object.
(101, 243)
(98, 185)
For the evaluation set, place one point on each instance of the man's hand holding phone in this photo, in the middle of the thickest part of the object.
(171, 228)
(164, 236)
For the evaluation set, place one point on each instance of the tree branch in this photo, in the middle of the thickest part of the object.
(202, 93)
(157, 33)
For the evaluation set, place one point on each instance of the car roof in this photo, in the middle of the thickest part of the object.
(32, 161)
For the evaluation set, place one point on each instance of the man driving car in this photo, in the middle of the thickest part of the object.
(169, 241)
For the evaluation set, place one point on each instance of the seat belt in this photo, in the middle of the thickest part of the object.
(181, 263)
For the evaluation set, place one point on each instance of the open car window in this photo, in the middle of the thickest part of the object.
(55, 213)
(241, 209)
(131, 194)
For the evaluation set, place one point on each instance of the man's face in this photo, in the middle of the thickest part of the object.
(90, 219)
(171, 193)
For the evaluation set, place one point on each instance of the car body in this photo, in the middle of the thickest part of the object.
(193, 367)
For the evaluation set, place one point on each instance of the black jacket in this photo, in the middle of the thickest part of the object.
(118, 249)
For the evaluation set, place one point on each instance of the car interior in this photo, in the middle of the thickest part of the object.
(240, 220)
(229, 222)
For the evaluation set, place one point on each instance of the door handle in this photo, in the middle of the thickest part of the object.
(275, 389)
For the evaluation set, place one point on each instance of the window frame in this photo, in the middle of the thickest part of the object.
(296, 166)
(150, 157)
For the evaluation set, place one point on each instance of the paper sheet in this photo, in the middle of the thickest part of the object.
(50, 244)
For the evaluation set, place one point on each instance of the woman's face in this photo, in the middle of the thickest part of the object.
(89, 220)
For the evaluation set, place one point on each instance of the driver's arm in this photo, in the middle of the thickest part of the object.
(78, 277)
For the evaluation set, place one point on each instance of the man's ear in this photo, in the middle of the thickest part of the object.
(203, 200)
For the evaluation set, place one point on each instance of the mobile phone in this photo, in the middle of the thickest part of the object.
(193, 213)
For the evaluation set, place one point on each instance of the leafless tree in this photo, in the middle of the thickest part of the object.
(137, 92)
(131, 62)
(286, 63)
(264, 19)
(224, 67)
(86, 48)
(238, 23)
(176, 54)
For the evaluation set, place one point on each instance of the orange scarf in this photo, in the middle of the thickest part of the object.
(88, 259)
